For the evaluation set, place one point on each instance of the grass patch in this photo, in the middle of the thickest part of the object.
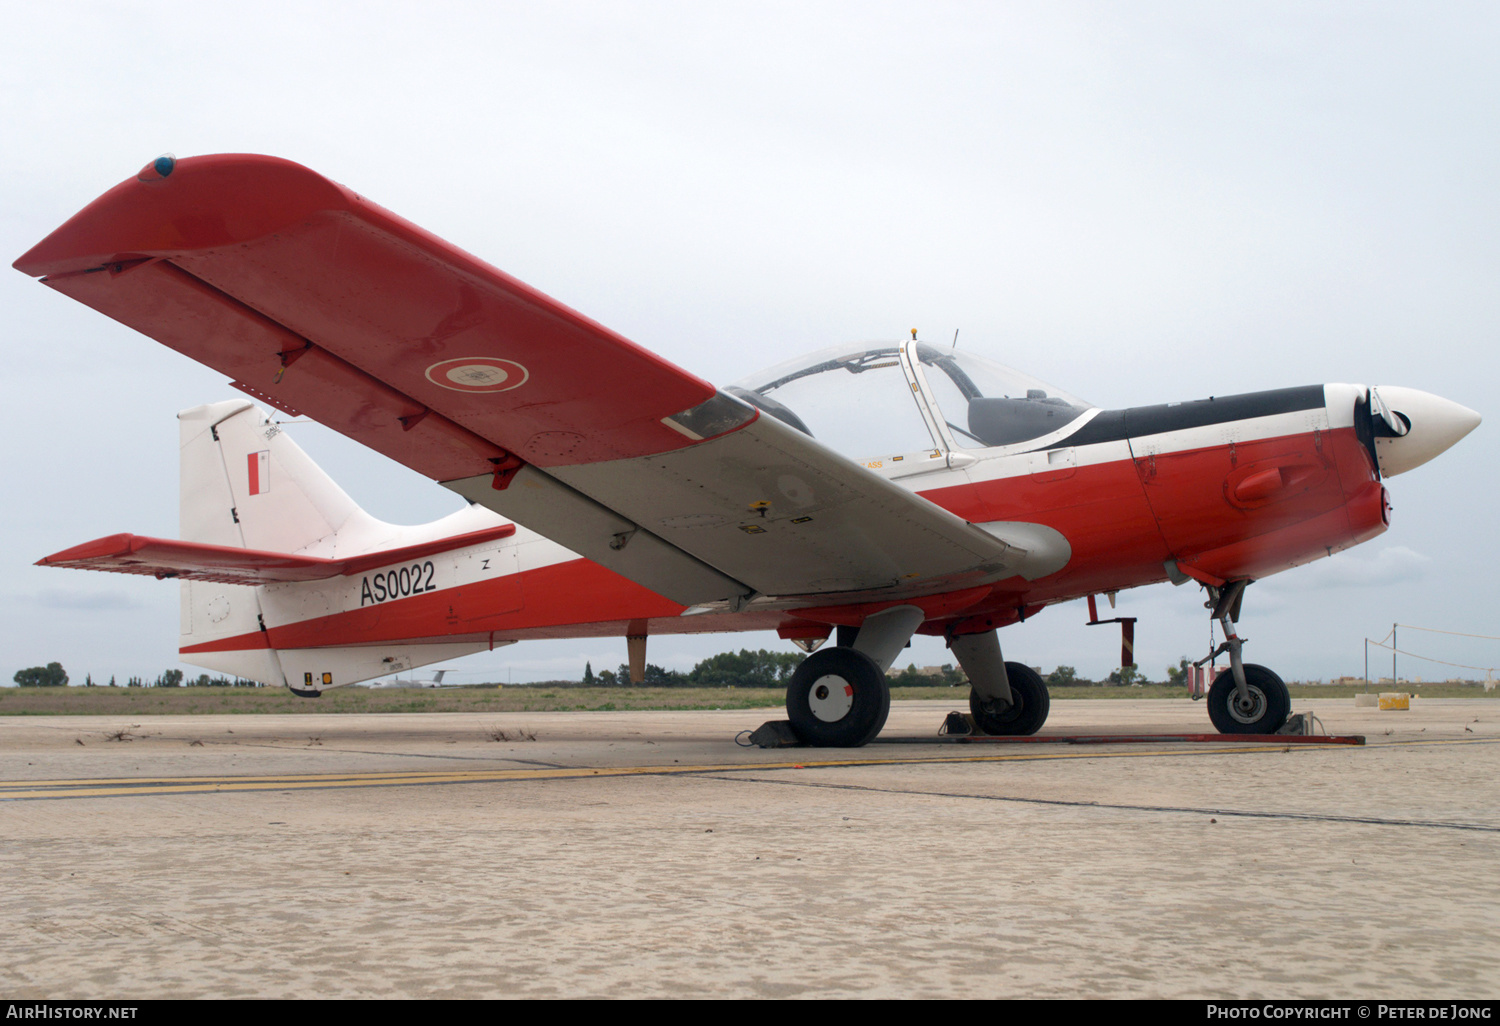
(73, 701)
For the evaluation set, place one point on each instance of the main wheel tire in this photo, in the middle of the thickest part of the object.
(1267, 709)
(1026, 712)
(838, 698)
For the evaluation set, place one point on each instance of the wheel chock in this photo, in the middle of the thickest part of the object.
(958, 724)
(775, 734)
(1297, 724)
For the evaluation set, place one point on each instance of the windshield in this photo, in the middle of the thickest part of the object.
(855, 399)
(989, 404)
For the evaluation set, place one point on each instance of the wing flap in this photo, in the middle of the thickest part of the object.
(771, 508)
(574, 520)
(195, 561)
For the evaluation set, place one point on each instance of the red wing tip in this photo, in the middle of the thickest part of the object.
(155, 214)
(110, 545)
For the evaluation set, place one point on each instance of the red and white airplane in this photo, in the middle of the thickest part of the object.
(867, 492)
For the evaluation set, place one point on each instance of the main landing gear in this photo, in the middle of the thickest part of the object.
(1246, 698)
(1026, 711)
(839, 698)
(1004, 698)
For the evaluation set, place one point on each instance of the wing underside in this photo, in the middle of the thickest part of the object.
(318, 302)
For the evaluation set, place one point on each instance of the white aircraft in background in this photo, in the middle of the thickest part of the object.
(435, 682)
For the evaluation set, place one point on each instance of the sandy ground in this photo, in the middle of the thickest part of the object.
(431, 860)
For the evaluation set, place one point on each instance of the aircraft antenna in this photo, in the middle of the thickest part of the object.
(955, 338)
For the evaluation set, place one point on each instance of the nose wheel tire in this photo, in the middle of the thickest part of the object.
(838, 698)
(1024, 715)
(1266, 710)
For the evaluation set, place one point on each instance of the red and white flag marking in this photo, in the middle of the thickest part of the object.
(260, 472)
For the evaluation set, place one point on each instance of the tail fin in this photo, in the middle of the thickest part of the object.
(212, 494)
(246, 484)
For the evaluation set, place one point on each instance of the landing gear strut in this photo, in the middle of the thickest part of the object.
(1246, 698)
(1025, 713)
(1005, 698)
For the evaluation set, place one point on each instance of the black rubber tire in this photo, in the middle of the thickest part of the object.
(1025, 715)
(865, 686)
(1270, 703)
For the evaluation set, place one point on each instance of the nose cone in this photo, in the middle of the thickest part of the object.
(1434, 424)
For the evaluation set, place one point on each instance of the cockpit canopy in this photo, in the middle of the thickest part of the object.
(881, 400)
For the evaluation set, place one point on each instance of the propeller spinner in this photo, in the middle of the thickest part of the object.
(1411, 427)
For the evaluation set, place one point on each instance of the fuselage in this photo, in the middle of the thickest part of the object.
(1216, 489)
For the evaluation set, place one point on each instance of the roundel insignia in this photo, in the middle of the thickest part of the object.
(478, 374)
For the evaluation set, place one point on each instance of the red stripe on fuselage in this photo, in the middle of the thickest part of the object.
(577, 592)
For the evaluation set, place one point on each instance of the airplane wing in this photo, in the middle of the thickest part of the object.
(317, 301)
(195, 561)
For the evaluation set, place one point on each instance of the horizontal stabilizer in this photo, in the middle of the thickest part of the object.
(194, 561)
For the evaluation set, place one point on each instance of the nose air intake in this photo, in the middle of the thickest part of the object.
(1411, 427)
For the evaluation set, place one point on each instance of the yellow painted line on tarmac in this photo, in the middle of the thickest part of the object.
(121, 787)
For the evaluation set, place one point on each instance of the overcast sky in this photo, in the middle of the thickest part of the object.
(1138, 202)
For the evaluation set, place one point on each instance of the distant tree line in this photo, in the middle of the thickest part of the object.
(744, 669)
(53, 676)
(49, 676)
(766, 669)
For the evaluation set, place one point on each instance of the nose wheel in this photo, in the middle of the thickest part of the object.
(1246, 698)
(1261, 707)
